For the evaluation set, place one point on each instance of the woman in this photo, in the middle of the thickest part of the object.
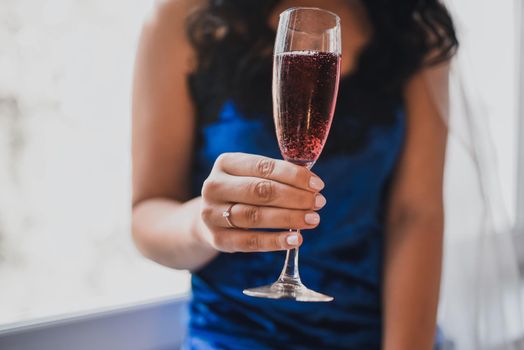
(203, 140)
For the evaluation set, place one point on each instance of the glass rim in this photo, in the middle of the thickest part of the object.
(295, 8)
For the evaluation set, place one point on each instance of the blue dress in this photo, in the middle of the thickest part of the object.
(342, 257)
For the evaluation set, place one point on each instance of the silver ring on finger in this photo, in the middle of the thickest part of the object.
(227, 215)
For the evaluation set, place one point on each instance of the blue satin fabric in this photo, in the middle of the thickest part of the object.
(342, 257)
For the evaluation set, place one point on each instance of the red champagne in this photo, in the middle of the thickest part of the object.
(305, 86)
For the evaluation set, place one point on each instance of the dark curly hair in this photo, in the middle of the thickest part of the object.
(234, 50)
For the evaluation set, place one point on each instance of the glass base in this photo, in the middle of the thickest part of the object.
(284, 290)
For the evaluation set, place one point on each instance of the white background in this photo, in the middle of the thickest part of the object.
(65, 76)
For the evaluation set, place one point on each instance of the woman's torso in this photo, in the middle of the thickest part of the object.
(342, 257)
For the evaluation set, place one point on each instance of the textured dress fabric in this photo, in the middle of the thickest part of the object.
(342, 257)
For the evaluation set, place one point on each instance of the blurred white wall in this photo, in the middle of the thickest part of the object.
(65, 76)
(488, 44)
(481, 291)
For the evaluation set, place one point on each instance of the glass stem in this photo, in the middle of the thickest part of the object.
(290, 273)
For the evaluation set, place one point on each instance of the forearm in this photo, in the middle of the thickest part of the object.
(411, 286)
(169, 232)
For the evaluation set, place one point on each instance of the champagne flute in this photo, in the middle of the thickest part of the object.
(306, 73)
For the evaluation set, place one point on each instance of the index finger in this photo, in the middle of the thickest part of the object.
(242, 164)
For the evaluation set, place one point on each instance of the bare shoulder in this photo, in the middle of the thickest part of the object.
(164, 29)
(172, 13)
(430, 86)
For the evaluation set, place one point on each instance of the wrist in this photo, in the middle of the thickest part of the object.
(200, 231)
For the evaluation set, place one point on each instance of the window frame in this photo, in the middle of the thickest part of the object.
(157, 324)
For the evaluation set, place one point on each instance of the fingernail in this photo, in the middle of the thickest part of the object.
(312, 218)
(315, 183)
(292, 240)
(320, 201)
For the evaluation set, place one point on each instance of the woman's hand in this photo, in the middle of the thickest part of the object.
(264, 194)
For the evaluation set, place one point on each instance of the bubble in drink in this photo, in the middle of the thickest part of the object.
(305, 87)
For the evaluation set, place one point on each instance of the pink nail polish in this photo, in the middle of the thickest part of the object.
(315, 183)
(292, 240)
(312, 218)
(320, 201)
